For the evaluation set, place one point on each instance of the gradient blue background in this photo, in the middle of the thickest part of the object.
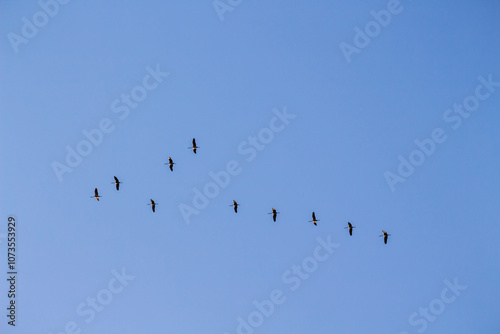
(352, 122)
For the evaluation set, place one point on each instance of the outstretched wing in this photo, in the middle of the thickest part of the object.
(194, 143)
(314, 216)
(96, 193)
(153, 206)
(350, 231)
(116, 179)
(274, 216)
(171, 167)
(385, 239)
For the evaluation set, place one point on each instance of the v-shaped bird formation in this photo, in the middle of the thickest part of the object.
(235, 204)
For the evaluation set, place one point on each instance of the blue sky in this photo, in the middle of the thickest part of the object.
(114, 266)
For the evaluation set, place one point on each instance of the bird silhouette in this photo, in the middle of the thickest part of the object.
(235, 206)
(117, 183)
(170, 163)
(153, 204)
(96, 194)
(194, 147)
(385, 235)
(274, 213)
(350, 227)
(314, 219)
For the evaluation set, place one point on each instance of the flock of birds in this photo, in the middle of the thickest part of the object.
(235, 204)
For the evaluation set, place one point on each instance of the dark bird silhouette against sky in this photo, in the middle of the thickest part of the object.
(170, 163)
(385, 235)
(274, 213)
(117, 183)
(96, 194)
(314, 219)
(235, 206)
(153, 204)
(194, 147)
(350, 227)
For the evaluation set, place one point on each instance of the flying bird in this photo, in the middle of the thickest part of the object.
(385, 235)
(117, 183)
(235, 206)
(274, 213)
(194, 147)
(314, 219)
(170, 163)
(153, 204)
(96, 194)
(350, 227)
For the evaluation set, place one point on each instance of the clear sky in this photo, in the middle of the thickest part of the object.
(380, 113)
